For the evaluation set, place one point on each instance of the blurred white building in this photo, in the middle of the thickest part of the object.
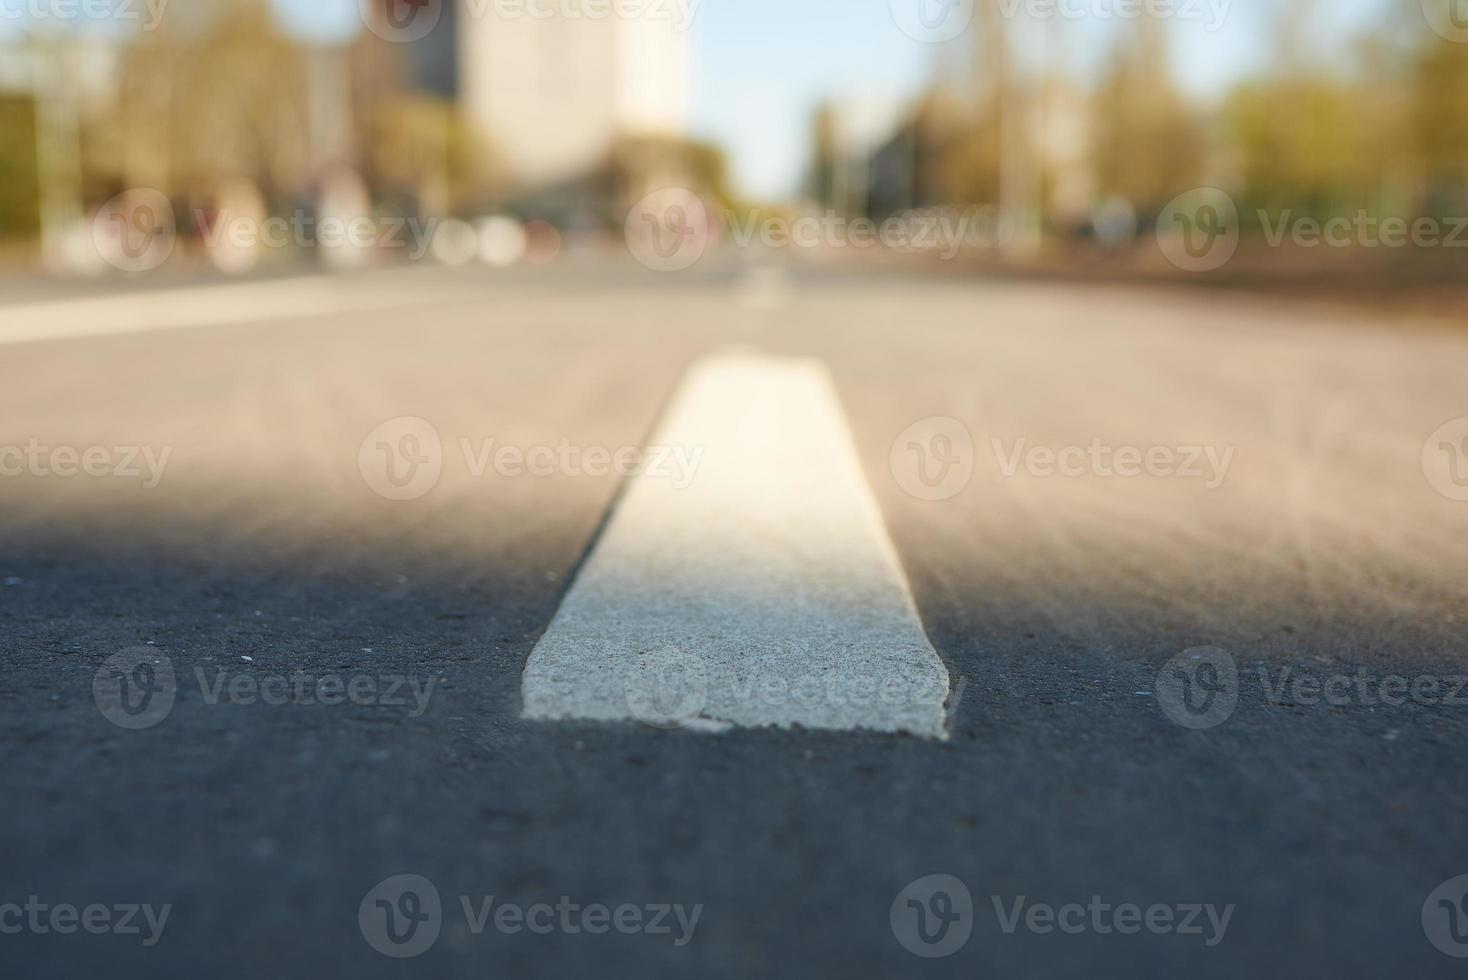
(859, 126)
(553, 91)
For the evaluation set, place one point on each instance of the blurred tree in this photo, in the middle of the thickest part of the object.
(421, 143)
(1383, 159)
(20, 215)
(1440, 123)
(1295, 142)
(957, 127)
(642, 164)
(229, 96)
(1149, 145)
(1301, 136)
(197, 106)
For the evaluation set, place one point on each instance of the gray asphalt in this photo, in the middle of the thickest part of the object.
(1054, 601)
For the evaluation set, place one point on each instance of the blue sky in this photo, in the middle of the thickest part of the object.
(762, 66)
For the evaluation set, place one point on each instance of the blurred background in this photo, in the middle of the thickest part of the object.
(321, 260)
(509, 131)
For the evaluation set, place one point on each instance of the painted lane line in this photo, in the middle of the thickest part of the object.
(765, 592)
(213, 305)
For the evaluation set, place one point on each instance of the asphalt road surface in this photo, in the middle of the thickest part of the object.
(1224, 689)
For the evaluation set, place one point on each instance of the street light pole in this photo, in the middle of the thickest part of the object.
(1019, 170)
(58, 153)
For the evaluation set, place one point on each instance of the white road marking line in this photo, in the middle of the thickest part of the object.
(209, 306)
(765, 592)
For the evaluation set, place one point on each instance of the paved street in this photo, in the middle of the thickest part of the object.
(1082, 485)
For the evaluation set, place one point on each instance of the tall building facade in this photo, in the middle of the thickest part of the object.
(432, 61)
(551, 92)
